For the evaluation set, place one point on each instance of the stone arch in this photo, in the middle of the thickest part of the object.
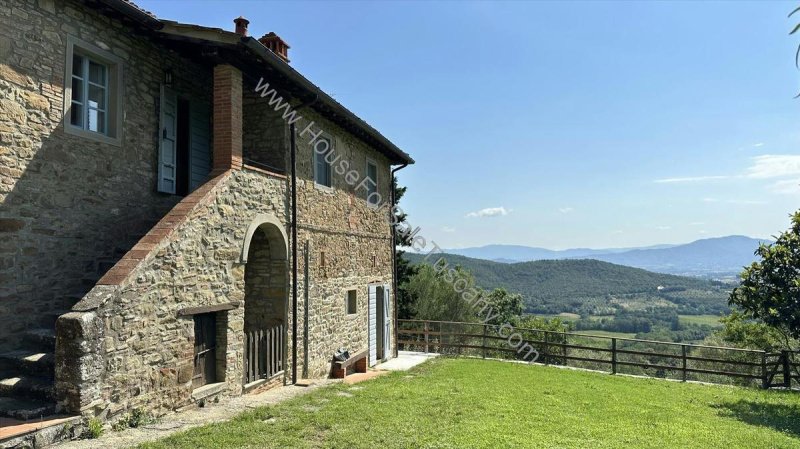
(273, 227)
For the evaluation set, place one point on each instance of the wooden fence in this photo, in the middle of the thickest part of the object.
(264, 353)
(616, 355)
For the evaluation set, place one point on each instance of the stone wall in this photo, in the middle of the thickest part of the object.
(71, 206)
(354, 237)
(265, 134)
(133, 347)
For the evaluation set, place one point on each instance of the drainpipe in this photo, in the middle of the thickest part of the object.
(293, 162)
(394, 260)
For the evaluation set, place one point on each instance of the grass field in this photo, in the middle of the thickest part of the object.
(607, 333)
(468, 403)
(711, 320)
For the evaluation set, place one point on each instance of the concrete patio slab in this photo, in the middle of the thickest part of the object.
(406, 360)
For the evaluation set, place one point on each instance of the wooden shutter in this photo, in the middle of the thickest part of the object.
(373, 331)
(387, 348)
(199, 144)
(167, 151)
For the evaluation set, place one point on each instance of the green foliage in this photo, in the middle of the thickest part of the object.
(742, 332)
(94, 428)
(434, 297)
(403, 269)
(770, 288)
(136, 418)
(591, 287)
(552, 324)
(505, 307)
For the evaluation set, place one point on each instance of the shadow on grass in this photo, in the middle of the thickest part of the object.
(780, 417)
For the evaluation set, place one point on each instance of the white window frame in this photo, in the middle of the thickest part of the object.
(113, 91)
(372, 162)
(314, 155)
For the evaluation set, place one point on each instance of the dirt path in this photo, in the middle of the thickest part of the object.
(178, 422)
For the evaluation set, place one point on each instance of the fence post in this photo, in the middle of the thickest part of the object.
(426, 336)
(483, 345)
(764, 379)
(683, 361)
(787, 373)
(546, 346)
(565, 349)
(613, 356)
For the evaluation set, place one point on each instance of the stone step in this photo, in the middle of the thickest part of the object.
(42, 338)
(28, 361)
(25, 409)
(26, 386)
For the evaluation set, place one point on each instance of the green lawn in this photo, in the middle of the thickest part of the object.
(468, 403)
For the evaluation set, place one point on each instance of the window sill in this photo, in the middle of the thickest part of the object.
(208, 390)
(91, 135)
(323, 187)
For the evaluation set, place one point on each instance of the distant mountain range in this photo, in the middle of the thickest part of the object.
(722, 256)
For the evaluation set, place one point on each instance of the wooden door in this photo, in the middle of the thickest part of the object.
(205, 345)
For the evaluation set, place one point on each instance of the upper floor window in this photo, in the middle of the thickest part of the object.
(322, 168)
(373, 198)
(89, 109)
(92, 103)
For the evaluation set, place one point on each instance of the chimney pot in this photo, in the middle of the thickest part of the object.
(276, 45)
(241, 26)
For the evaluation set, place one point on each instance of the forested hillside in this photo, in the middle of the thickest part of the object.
(594, 289)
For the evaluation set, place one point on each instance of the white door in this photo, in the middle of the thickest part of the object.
(167, 150)
(387, 349)
(373, 324)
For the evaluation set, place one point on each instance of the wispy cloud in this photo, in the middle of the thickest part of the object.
(490, 212)
(663, 228)
(448, 229)
(691, 179)
(758, 145)
(565, 210)
(786, 187)
(697, 223)
(710, 200)
(774, 166)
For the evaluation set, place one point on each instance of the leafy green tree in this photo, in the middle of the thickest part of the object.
(770, 288)
(434, 298)
(742, 332)
(505, 307)
(404, 270)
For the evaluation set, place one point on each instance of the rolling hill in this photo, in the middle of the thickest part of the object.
(722, 256)
(593, 287)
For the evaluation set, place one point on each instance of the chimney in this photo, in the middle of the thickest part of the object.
(276, 44)
(241, 26)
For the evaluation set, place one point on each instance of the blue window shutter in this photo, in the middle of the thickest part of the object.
(167, 151)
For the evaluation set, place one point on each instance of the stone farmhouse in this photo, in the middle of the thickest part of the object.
(168, 233)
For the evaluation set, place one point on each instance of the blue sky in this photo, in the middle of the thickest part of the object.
(561, 124)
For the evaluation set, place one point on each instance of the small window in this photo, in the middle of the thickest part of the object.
(91, 93)
(373, 198)
(322, 259)
(322, 168)
(352, 300)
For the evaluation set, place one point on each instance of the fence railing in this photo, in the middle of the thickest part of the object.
(264, 353)
(660, 359)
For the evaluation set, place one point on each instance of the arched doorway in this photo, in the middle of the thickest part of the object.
(265, 300)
